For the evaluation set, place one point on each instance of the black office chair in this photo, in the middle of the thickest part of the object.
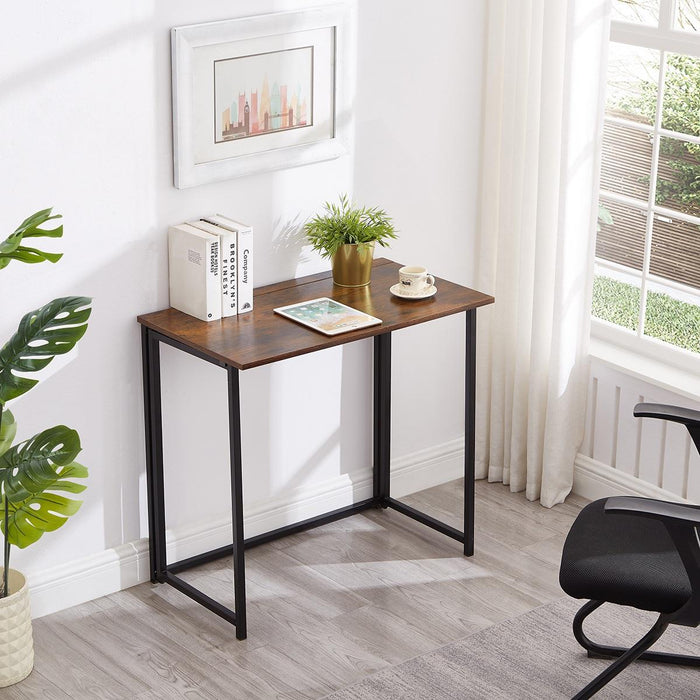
(639, 552)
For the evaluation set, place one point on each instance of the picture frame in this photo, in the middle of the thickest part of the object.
(260, 93)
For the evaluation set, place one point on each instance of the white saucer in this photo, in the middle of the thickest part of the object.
(395, 290)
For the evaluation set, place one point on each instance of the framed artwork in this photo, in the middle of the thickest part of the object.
(260, 93)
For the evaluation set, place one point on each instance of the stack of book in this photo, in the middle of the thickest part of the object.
(211, 267)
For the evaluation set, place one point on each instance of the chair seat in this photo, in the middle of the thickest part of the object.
(625, 559)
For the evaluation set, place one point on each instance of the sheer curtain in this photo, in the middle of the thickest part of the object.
(544, 92)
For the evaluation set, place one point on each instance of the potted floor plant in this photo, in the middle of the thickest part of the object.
(347, 234)
(35, 473)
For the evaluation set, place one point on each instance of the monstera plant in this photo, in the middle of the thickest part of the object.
(35, 474)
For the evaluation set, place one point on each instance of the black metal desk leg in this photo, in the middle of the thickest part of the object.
(234, 417)
(382, 417)
(469, 431)
(150, 349)
(149, 454)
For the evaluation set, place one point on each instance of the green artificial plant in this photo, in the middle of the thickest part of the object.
(346, 223)
(35, 473)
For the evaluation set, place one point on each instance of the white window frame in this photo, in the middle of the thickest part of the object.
(611, 343)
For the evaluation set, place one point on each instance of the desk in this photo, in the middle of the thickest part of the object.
(262, 337)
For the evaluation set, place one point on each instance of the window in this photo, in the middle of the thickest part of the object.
(647, 273)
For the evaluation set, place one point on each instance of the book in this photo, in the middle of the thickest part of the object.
(327, 316)
(194, 274)
(227, 257)
(244, 262)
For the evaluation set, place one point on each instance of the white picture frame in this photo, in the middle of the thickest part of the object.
(260, 93)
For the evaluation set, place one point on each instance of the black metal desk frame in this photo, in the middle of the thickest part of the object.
(162, 572)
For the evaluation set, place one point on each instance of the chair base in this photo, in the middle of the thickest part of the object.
(624, 657)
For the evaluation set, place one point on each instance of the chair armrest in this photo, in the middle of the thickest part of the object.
(686, 416)
(680, 513)
(677, 414)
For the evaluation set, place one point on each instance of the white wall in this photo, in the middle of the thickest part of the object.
(86, 121)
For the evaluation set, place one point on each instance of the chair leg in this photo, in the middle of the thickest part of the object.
(602, 651)
(624, 660)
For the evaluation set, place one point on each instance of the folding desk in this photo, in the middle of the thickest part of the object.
(262, 337)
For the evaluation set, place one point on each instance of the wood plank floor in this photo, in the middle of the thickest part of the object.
(325, 608)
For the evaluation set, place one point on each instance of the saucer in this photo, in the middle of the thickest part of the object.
(395, 290)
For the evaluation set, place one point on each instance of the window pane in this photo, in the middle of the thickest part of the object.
(633, 78)
(621, 234)
(616, 301)
(675, 251)
(672, 320)
(687, 15)
(681, 103)
(626, 166)
(637, 11)
(678, 183)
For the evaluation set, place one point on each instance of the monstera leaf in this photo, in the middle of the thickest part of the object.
(52, 330)
(12, 249)
(8, 430)
(34, 475)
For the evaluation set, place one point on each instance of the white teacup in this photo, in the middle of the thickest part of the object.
(414, 280)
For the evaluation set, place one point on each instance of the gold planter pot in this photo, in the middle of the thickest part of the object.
(16, 644)
(352, 264)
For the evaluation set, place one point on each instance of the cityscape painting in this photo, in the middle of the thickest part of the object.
(263, 93)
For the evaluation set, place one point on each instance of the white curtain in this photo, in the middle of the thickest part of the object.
(544, 91)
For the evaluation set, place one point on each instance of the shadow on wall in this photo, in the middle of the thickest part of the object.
(42, 71)
(288, 241)
(87, 381)
(291, 414)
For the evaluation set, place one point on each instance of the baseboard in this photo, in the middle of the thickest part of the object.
(115, 569)
(593, 480)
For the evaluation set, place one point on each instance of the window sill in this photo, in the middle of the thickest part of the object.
(654, 363)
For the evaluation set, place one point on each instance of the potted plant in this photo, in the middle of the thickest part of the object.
(347, 234)
(35, 473)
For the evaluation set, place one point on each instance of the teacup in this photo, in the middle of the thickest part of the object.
(414, 280)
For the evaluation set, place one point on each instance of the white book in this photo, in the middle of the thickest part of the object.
(195, 282)
(227, 258)
(244, 264)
